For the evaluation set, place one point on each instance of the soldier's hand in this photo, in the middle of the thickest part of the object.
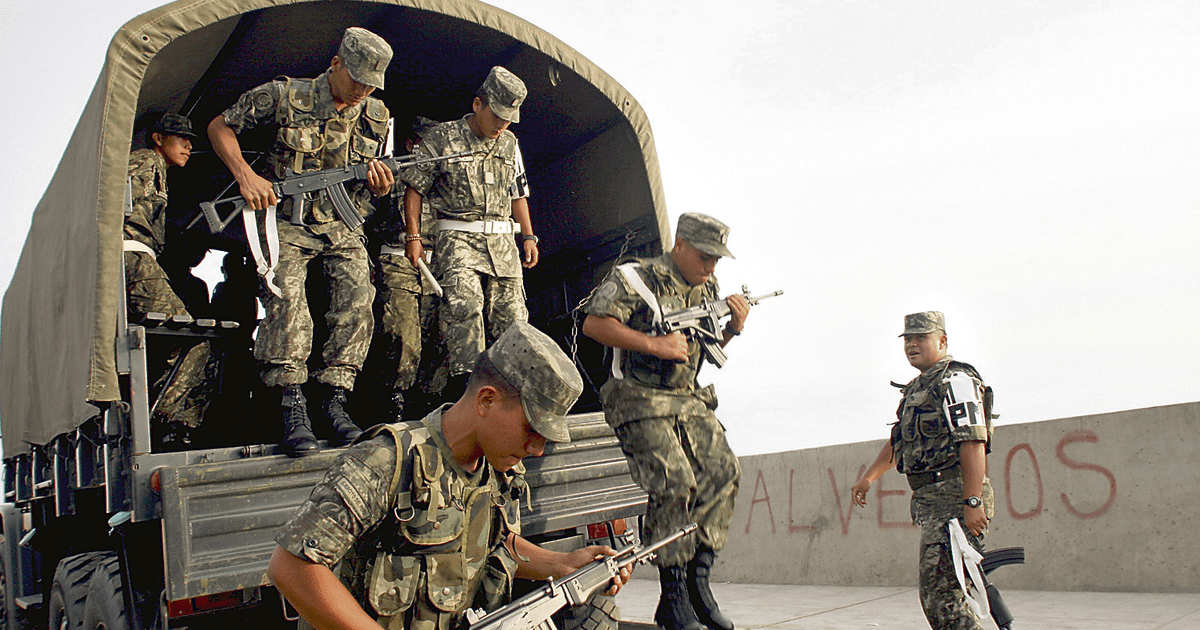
(672, 347)
(581, 557)
(975, 520)
(257, 191)
(858, 492)
(379, 178)
(530, 259)
(739, 309)
(413, 251)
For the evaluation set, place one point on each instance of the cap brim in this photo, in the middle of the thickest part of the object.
(714, 249)
(550, 426)
(510, 114)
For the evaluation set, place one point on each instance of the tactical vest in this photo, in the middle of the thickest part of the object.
(444, 541)
(664, 288)
(921, 437)
(306, 142)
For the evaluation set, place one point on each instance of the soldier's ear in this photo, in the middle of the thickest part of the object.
(157, 138)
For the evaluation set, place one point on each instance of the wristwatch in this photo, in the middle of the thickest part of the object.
(530, 237)
(972, 502)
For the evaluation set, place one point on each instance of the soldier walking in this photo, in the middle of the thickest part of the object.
(940, 443)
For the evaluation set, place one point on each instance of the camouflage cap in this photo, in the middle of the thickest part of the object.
(704, 233)
(175, 125)
(546, 378)
(505, 92)
(366, 56)
(921, 323)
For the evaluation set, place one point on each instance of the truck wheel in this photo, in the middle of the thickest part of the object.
(69, 590)
(105, 607)
(598, 613)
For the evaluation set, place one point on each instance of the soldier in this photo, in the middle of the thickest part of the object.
(941, 443)
(421, 519)
(183, 400)
(405, 302)
(675, 445)
(321, 123)
(475, 201)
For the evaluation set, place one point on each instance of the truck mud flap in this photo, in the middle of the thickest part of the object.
(220, 519)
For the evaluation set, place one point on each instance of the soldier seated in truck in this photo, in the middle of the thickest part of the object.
(185, 386)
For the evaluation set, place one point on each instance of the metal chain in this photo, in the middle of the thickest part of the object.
(587, 298)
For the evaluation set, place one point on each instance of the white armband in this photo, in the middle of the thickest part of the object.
(963, 405)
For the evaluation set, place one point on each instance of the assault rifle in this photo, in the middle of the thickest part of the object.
(533, 611)
(703, 322)
(304, 188)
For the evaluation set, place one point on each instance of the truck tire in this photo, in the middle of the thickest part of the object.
(599, 613)
(105, 607)
(69, 590)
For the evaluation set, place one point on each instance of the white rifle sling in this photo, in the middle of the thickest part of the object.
(265, 264)
(964, 555)
(138, 246)
(629, 270)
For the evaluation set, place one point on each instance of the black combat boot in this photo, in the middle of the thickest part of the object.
(298, 438)
(344, 429)
(674, 610)
(699, 593)
(176, 438)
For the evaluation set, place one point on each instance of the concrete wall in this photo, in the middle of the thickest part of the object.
(1100, 503)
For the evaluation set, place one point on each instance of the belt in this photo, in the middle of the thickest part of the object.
(916, 481)
(138, 246)
(482, 227)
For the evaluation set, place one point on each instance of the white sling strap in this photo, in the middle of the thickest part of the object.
(138, 246)
(266, 266)
(629, 270)
(966, 555)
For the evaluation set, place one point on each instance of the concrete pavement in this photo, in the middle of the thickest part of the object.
(896, 608)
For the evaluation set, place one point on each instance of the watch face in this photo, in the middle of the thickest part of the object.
(973, 502)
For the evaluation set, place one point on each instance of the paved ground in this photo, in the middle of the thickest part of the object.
(841, 607)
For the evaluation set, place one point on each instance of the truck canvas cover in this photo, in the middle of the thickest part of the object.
(587, 145)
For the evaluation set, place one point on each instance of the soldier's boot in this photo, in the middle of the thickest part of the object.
(298, 438)
(674, 610)
(344, 429)
(176, 438)
(699, 592)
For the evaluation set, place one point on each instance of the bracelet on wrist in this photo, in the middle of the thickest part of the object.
(408, 238)
(729, 329)
(530, 237)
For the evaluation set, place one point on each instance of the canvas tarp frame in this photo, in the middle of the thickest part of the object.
(598, 163)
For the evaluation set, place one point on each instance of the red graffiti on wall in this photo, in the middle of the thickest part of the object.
(759, 482)
(1085, 436)
(1037, 475)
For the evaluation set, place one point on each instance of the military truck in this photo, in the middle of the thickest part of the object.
(100, 528)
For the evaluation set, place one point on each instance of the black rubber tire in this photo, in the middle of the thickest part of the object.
(105, 607)
(69, 590)
(599, 613)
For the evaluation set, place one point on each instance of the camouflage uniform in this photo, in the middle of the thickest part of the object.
(926, 442)
(480, 273)
(312, 135)
(185, 398)
(414, 537)
(675, 445)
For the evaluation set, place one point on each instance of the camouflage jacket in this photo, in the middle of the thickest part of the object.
(939, 409)
(406, 529)
(476, 188)
(312, 134)
(651, 387)
(148, 223)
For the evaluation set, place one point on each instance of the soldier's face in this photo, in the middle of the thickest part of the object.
(923, 351)
(696, 266)
(485, 123)
(509, 437)
(344, 88)
(176, 150)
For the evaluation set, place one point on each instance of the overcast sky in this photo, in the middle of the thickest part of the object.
(1029, 168)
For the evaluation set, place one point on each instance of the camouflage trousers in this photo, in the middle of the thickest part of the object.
(285, 335)
(477, 308)
(942, 599)
(686, 466)
(183, 397)
(398, 334)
